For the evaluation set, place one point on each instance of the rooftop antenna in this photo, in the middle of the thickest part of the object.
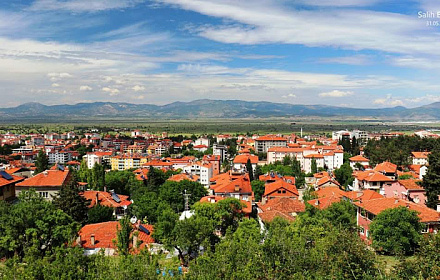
(301, 132)
(186, 198)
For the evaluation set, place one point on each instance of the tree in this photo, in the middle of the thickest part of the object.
(41, 162)
(99, 214)
(258, 188)
(123, 235)
(258, 172)
(396, 230)
(71, 202)
(250, 170)
(431, 181)
(344, 174)
(172, 193)
(34, 226)
(155, 178)
(314, 167)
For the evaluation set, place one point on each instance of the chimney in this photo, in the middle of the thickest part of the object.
(96, 199)
(360, 200)
(407, 205)
(105, 188)
(92, 239)
(78, 240)
(237, 188)
(45, 172)
(438, 207)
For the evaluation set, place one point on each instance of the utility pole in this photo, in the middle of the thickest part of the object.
(186, 198)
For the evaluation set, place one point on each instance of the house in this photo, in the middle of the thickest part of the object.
(215, 161)
(368, 210)
(263, 143)
(326, 197)
(279, 188)
(408, 189)
(420, 170)
(388, 169)
(370, 179)
(124, 162)
(279, 153)
(7, 185)
(283, 207)
(200, 148)
(358, 159)
(308, 159)
(327, 181)
(363, 195)
(203, 170)
(59, 157)
(118, 202)
(240, 163)
(228, 185)
(20, 171)
(202, 141)
(47, 183)
(420, 158)
(103, 236)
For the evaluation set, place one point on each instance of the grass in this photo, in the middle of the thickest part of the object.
(389, 262)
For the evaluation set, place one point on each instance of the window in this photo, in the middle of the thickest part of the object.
(361, 231)
(44, 194)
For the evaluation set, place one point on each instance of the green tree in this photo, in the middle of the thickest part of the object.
(258, 188)
(123, 235)
(41, 162)
(314, 167)
(155, 178)
(34, 226)
(71, 202)
(250, 170)
(172, 193)
(344, 174)
(99, 214)
(431, 181)
(396, 230)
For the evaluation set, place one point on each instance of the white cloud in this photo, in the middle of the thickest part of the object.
(85, 88)
(59, 75)
(112, 91)
(263, 22)
(388, 101)
(350, 60)
(138, 88)
(336, 93)
(83, 5)
(55, 85)
(289, 95)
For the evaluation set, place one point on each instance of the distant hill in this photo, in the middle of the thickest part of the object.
(205, 108)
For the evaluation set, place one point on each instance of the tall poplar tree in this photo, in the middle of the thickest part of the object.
(431, 181)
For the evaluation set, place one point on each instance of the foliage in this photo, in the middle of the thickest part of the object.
(258, 188)
(34, 226)
(314, 167)
(250, 170)
(95, 177)
(156, 178)
(344, 174)
(99, 214)
(396, 230)
(41, 162)
(120, 181)
(172, 193)
(123, 235)
(71, 202)
(431, 180)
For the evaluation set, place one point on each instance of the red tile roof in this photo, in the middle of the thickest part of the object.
(283, 207)
(324, 202)
(411, 184)
(183, 176)
(105, 199)
(271, 138)
(364, 195)
(375, 206)
(280, 184)
(240, 185)
(48, 178)
(359, 158)
(325, 180)
(386, 167)
(106, 233)
(244, 158)
(15, 179)
(420, 154)
(372, 176)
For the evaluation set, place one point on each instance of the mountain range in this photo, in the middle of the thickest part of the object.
(205, 108)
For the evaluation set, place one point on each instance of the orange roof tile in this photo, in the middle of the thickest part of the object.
(286, 150)
(330, 191)
(386, 167)
(280, 184)
(364, 195)
(183, 176)
(282, 207)
(105, 233)
(411, 184)
(244, 158)
(420, 154)
(375, 206)
(271, 138)
(358, 158)
(325, 180)
(324, 202)
(15, 179)
(105, 199)
(239, 185)
(48, 178)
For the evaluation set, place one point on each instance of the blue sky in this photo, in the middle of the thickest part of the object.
(357, 53)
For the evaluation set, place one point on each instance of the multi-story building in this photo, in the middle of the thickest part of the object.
(264, 143)
(123, 162)
(203, 170)
(61, 157)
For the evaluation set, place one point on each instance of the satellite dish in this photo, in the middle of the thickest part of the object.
(133, 220)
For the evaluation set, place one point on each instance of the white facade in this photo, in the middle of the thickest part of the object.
(308, 163)
(92, 159)
(202, 141)
(204, 171)
(59, 157)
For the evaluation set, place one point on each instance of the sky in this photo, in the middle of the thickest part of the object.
(354, 53)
